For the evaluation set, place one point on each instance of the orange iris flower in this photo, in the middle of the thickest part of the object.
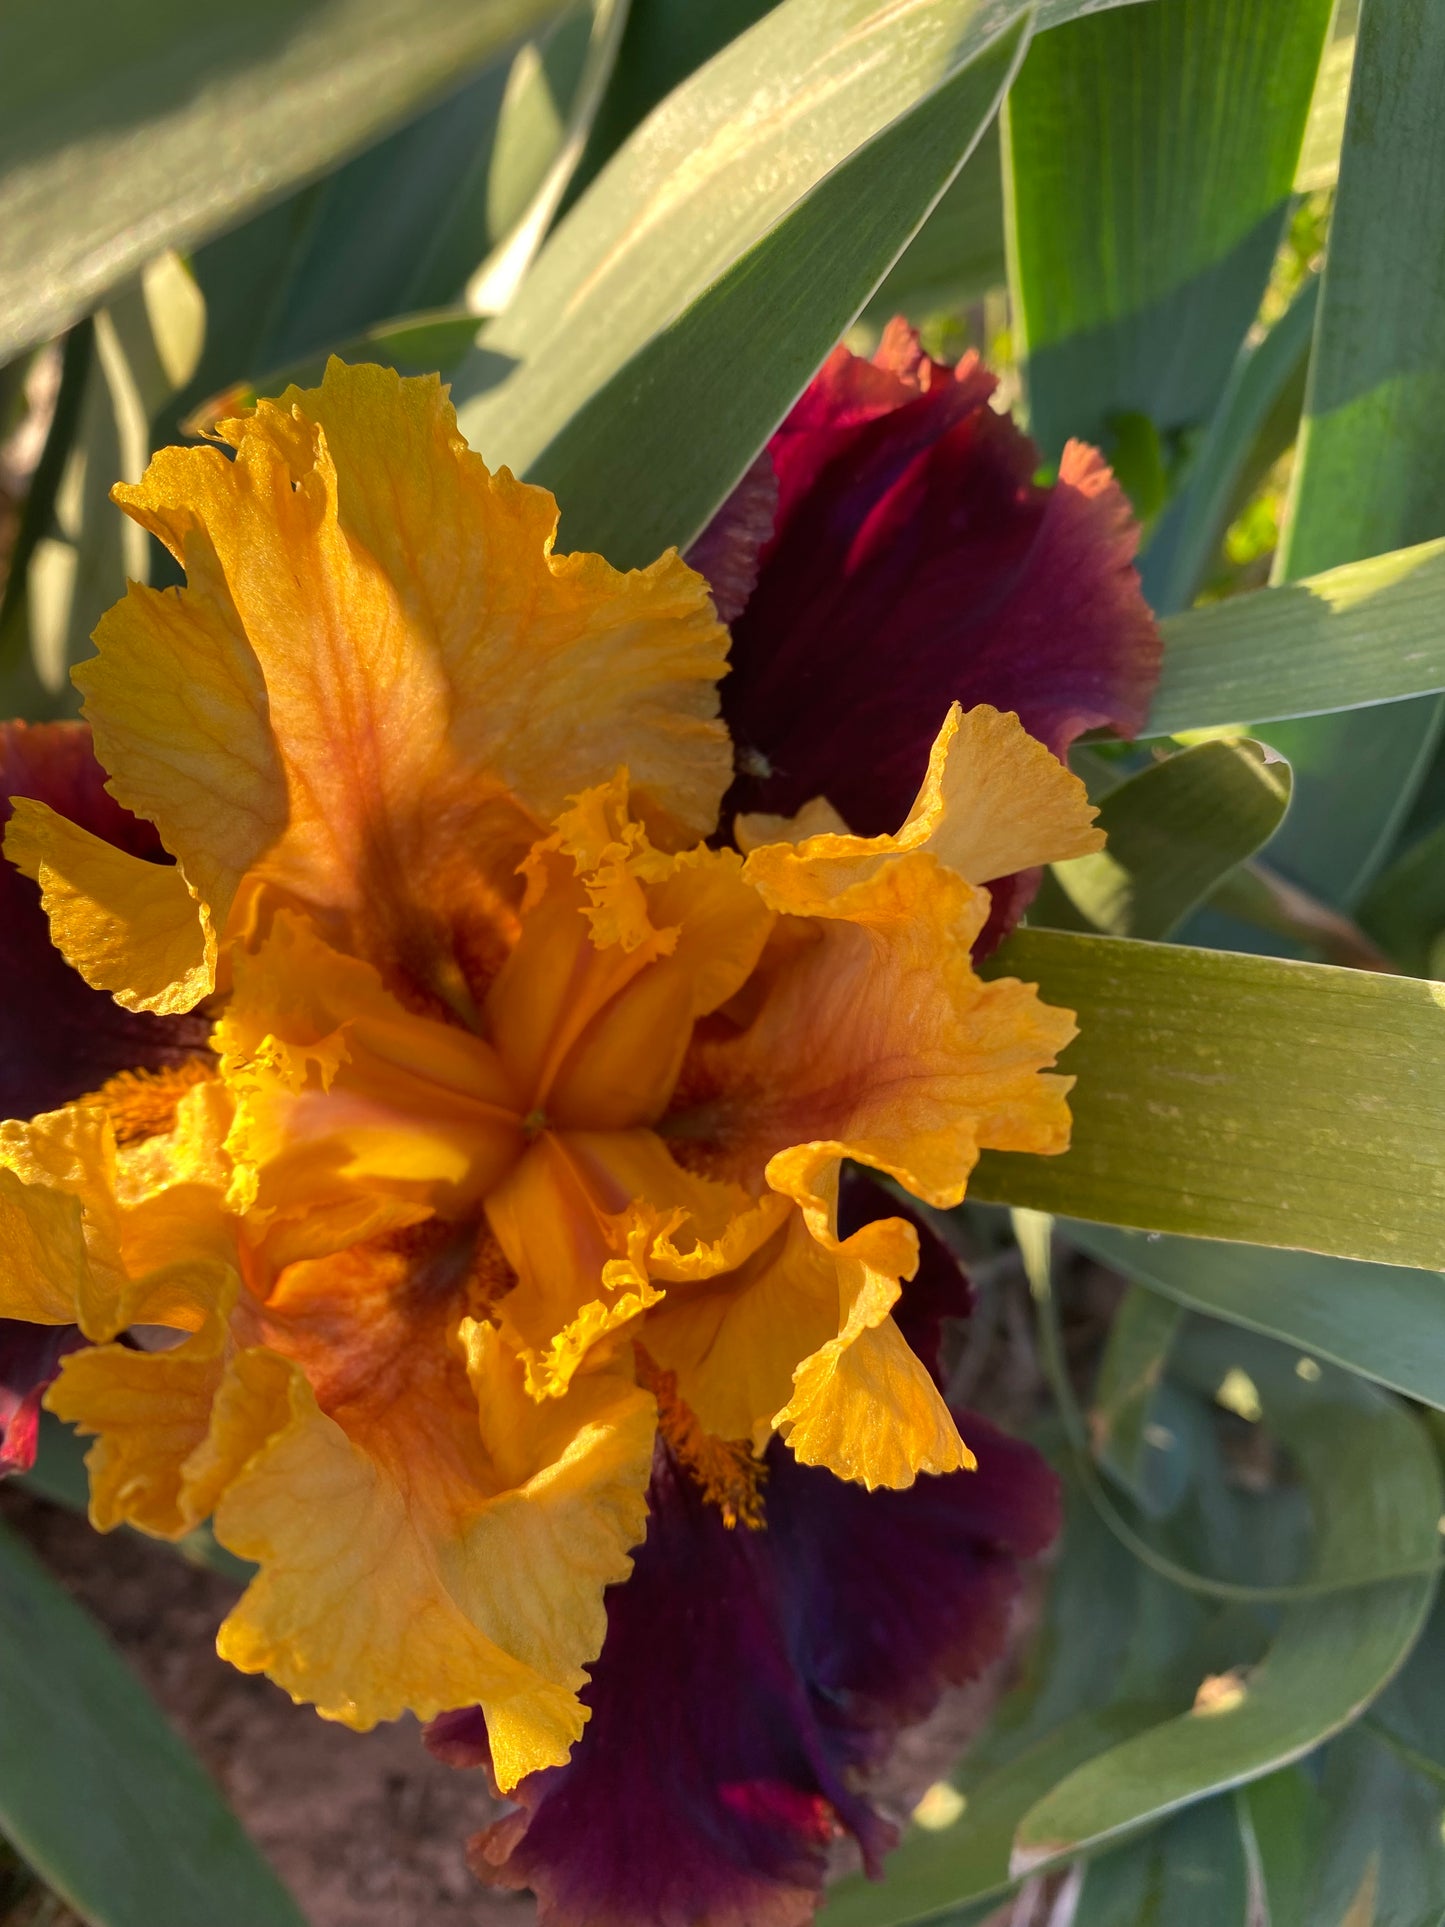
(522, 1133)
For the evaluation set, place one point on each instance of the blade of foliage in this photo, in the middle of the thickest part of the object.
(1384, 1321)
(1134, 285)
(419, 344)
(801, 285)
(1174, 830)
(130, 129)
(1371, 469)
(538, 151)
(1240, 1097)
(1405, 909)
(1375, 1490)
(665, 41)
(1319, 161)
(1260, 898)
(1254, 424)
(1369, 632)
(704, 178)
(958, 253)
(21, 691)
(97, 1792)
(1191, 1872)
(1284, 1815)
(1125, 1395)
(77, 553)
(405, 225)
(1137, 1760)
(1380, 1856)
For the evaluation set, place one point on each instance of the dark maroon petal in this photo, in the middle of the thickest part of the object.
(58, 1037)
(751, 1681)
(30, 1357)
(938, 1290)
(729, 548)
(916, 562)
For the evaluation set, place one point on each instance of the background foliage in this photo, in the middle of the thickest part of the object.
(1208, 235)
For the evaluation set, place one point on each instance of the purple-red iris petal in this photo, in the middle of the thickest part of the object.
(915, 561)
(30, 1357)
(750, 1680)
(59, 1038)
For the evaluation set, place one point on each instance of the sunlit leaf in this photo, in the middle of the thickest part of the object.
(1240, 1097)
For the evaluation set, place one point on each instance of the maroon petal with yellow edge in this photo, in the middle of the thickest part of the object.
(752, 1680)
(915, 561)
(59, 1038)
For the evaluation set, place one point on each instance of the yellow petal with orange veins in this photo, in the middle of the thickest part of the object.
(42, 1252)
(177, 705)
(382, 1592)
(71, 1152)
(863, 1404)
(394, 645)
(995, 800)
(149, 1413)
(816, 818)
(343, 1093)
(596, 1226)
(130, 927)
(735, 1340)
(877, 1041)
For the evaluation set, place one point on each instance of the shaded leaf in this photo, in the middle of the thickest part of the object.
(1383, 1321)
(1370, 474)
(1174, 830)
(125, 130)
(97, 1792)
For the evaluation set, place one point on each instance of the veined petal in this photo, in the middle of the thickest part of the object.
(364, 776)
(623, 948)
(752, 1681)
(42, 1252)
(151, 1414)
(874, 1039)
(133, 928)
(995, 800)
(58, 1037)
(389, 1584)
(914, 561)
(344, 1095)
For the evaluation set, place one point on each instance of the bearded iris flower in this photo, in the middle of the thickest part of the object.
(467, 1223)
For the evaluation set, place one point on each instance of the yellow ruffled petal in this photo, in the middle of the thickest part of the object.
(244, 717)
(42, 1252)
(995, 800)
(130, 927)
(151, 1413)
(623, 947)
(863, 1404)
(734, 1341)
(345, 1099)
(393, 1588)
(875, 1040)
